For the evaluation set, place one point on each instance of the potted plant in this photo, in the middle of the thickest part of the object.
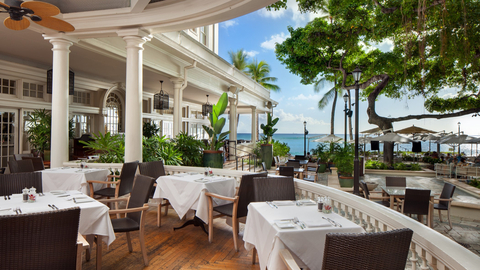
(213, 157)
(266, 147)
(343, 159)
(323, 155)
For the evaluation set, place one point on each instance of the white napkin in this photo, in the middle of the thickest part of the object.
(283, 203)
(312, 223)
(180, 174)
(43, 208)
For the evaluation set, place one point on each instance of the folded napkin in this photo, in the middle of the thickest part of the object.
(312, 223)
(283, 203)
(36, 209)
(307, 202)
(180, 174)
(83, 200)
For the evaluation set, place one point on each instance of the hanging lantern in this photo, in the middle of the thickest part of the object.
(160, 100)
(206, 108)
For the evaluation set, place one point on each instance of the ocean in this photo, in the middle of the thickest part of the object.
(296, 141)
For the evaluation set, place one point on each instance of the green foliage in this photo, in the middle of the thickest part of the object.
(260, 72)
(111, 148)
(280, 149)
(268, 129)
(400, 166)
(214, 131)
(150, 129)
(343, 158)
(415, 167)
(323, 152)
(382, 166)
(239, 59)
(474, 183)
(372, 164)
(429, 159)
(156, 148)
(190, 148)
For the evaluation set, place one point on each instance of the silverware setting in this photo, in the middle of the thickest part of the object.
(17, 210)
(334, 223)
(299, 223)
(53, 207)
(6, 197)
(272, 205)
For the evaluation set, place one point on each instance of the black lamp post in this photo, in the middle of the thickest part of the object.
(357, 73)
(305, 133)
(345, 98)
(459, 137)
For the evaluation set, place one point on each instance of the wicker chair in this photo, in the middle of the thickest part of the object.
(20, 156)
(14, 183)
(273, 188)
(155, 169)
(137, 206)
(264, 167)
(380, 200)
(236, 209)
(416, 201)
(123, 183)
(37, 163)
(45, 240)
(310, 173)
(445, 201)
(286, 171)
(295, 164)
(20, 166)
(395, 181)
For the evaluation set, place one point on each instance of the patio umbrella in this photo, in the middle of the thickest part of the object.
(414, 130)
(392, 137)
(454, 140)
(329, 139)
(372, 131)
(362, 140)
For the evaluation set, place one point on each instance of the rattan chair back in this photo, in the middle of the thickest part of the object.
(153, 169)
(14, 183)
(37, 163)
(447, 193)
(45, 240)
(140, 194)
(380, 250)
(286, 171)
(273, 188)
(246, 192)
(127, 177)
(417, 201)
(295, 164)
(395, 181)
(20, 166)
(20, 156)
(364, 187)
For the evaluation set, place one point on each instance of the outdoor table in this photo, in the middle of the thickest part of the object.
(298, 171)
(94, 217)
(186, 191)
(72, 179)
(399, 192)
(306, 245)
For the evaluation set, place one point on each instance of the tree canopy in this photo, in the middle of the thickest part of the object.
(435, 45)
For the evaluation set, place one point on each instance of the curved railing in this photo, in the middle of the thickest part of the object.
(429, 249)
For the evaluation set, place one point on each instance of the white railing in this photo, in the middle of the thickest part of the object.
(429, 249)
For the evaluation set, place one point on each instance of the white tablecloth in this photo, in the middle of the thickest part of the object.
(72, 179)
(94, 218)
(184, 193)
(306, 244)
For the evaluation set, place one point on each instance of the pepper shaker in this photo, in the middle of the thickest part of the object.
(25, 194)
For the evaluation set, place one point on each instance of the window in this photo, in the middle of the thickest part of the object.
(197, 131)
(81, 97)
(81, 124)
(7, 86)
(167, 129)
(32, 90)
(203, 35)
(113, 117)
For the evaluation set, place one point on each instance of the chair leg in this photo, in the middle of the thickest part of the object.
(254, 255)
(440, 215)
(235, 232)
(129, 242)
(449, 221)
(159, 214)
(143, 247)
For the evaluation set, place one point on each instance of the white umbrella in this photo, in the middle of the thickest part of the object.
(362, 140)
(453, 139)
(392, 137)
(329, 139)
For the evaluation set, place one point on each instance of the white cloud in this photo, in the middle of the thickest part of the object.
(289, 117)
(252, 54)
(449, 95)
(272, 14)
(229, 23)
(299, 19)
(303, 97)
(270, 44)
(311, 108)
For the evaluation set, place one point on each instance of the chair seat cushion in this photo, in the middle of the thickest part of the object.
(384, 203)
(440, 206)
(105, 192)
(125, 225)
(226, 209)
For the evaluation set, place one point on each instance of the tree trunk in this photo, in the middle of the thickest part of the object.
(332, 120)
(388, 152)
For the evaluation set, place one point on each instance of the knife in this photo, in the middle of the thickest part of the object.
(330, 221)
(269, 204)
(336, 224)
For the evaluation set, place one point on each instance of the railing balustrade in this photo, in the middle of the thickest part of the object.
(429, 249)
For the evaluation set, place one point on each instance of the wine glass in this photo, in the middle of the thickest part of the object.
(82, 164)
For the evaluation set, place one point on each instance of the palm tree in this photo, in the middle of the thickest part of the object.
(239, 59)
(260, 71)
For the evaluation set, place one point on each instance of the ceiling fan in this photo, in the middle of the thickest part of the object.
(39, 12)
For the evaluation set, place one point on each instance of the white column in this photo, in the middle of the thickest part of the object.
(60, 101)
(233, 127)
(254, 124)
(133, 96)
(177, 105)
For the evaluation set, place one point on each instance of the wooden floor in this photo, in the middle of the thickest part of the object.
(187, 248)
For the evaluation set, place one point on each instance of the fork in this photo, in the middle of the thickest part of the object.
(296, 221)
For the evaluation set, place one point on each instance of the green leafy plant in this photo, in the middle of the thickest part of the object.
(415, 167)
(400, 166)
(214, 131)
(372, 164)
(190, 148)
(268, 129)
(280, 148)
(323, 152)
(111, 148)
(343, 159)
(382, 166)
(160, 148)
(150, 129)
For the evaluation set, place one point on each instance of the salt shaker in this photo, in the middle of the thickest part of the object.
(25, 194)
(32, 194)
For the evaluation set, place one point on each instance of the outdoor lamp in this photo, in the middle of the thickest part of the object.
(357, 73)
(206, 108)
(345, 97)
(160, 100)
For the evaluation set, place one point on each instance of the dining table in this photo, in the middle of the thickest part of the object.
(186, 191)
(67, 178)
(94, 218)
(299, 227)
(399, 193)
(298, 171)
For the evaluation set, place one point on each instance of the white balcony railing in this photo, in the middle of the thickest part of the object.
(429, 249)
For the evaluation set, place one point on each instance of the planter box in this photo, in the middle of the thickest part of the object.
(213, 159)
(346, 181)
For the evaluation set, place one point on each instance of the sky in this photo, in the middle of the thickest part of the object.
(258, 32)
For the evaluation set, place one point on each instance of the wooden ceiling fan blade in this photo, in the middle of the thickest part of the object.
(16, 25)
(56, 24)
(41, 8)
(4, 5)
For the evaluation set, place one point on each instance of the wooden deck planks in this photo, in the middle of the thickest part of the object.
(184, 249)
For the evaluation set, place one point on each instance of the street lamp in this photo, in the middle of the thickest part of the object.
(345, 98)
(305, 133)
(459, 137)
(357, 73)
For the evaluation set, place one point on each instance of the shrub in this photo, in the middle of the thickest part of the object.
(400, 166)
(383, 166)
(280, 149)
(474, 183)
(156, 148)
(190, 148)
(111, 148)
(372, 164)
(415, 167)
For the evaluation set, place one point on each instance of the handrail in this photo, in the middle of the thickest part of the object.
(429, 249)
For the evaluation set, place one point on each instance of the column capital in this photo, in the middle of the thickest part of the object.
(177, 82)
(134, 38)
(60, 37)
